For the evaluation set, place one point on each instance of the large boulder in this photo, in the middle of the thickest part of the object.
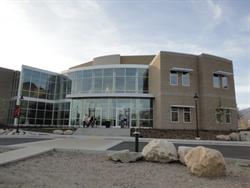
(245, 135)
(160, 151)
(2, 131)
(234, 136)
(205, 162)
(182, 151)
(223, 137)
(58, 131)
(68, 132)
(124, 156)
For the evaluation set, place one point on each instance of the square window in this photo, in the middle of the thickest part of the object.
(224, 80)
(186, 115)
(174, 114)
(173, 78)
(185, 79)
(216, 81)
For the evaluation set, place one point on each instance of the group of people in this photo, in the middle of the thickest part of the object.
(88, 121)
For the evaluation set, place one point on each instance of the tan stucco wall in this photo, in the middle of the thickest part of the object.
(107, 60)
(210, 96)
(201, 83)
(143, 59)
(154, 88)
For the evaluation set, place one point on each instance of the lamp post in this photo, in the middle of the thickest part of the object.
(196, 114)
(136, 134)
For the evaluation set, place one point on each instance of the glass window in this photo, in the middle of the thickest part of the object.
(87, 85)
(216, 80)
(32, 105)
(87, 73)
(187, 115)
(228, 116)
(173, 78)
(174, 114)
(119, 72)
(219, 115)
(107, 84)
(142, 72)
(130, 84)
(130, 72)
(185, 79)
(97, 72)
(119, 84)
(224, 82)
(97, 84)
(108, 72)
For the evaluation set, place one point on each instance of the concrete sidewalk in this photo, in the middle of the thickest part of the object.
(30, 149)
(91, 143)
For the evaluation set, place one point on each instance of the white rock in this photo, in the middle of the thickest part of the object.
(160, 151)
(58, 131)
(68, 132)
(205, 162)
(234, 136)
(2, 131)
(223, 137)
(125, 156)
(182, 151)
(245, 135)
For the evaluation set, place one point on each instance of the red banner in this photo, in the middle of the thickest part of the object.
(17, 111)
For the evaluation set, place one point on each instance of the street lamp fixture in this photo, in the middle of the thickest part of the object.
(196, 114)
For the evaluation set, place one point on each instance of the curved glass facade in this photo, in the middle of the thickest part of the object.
(110, 80)
(111, 111)
(45, 99)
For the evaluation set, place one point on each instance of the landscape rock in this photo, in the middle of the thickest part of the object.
(58, 131)
(234, 136)
(68, 132)
(2, 131)
(223, 137)
(245, 135)
(125, 156)
(205, 162)
(182, 151)
(160, 151)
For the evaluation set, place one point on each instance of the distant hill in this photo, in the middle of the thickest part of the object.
(244, 118)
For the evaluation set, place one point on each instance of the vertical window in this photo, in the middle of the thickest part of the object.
(186, 115)
(174, 114)
(219, 115)
(227, 116)
(173, 78)
(216, 81)
(185, 79)
(224, 80)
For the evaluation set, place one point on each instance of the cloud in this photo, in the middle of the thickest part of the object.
(215, 9)
(53, 35)
(241, 89)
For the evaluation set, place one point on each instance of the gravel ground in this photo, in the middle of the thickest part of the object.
(93, 170)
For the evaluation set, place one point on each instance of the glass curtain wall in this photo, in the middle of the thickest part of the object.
(110, 80)
(44, 95)
(110, 111)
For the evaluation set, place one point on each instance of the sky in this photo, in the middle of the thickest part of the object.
(55, 35)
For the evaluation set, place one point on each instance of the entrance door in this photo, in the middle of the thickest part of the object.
(123, 117)
(97, 114)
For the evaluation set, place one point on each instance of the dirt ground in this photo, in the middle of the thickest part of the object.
(93, 170)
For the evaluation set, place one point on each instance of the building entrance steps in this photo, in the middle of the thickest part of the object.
(112, 132)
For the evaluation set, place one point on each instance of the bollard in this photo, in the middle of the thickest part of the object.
(136, 133)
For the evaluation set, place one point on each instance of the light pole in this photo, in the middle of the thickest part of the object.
(196, 114)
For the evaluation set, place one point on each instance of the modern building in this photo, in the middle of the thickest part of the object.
(146, 90)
